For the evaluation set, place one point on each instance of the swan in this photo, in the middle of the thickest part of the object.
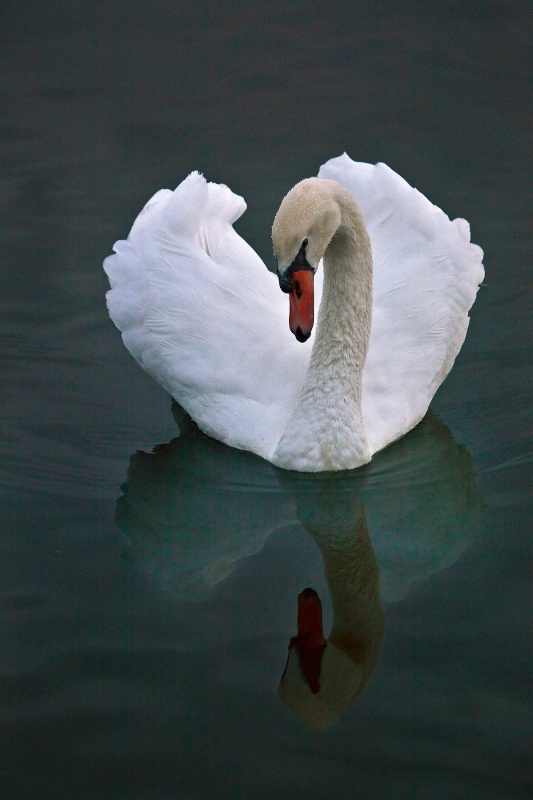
(393, 279)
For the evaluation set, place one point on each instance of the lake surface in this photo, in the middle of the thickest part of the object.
(150, 575)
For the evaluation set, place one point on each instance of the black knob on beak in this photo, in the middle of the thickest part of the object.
(285, 282)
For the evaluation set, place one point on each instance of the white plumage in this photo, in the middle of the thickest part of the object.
(201, 313)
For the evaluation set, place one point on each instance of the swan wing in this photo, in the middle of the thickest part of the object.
(426, 276)
(201, 313)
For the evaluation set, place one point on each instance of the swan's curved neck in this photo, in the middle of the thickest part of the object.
(325, 430)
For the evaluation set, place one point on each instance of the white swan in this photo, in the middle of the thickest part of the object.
(201, 313)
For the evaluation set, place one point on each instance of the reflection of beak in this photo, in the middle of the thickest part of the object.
(310, 641)
(302, 304)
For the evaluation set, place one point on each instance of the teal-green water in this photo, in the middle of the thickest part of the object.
(150, 575)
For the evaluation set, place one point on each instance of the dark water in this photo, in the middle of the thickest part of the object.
(148, 597)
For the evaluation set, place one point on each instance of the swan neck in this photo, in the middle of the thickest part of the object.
(325, 430)
(344, 316)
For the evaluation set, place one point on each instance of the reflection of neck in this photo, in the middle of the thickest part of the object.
(353, 579)
(336, 520)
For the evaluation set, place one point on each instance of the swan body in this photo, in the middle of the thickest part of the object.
(200, 312)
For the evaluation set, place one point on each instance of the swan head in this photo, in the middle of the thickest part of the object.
(306, 222)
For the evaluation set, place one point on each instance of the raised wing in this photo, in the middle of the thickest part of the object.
(426, 276)
(201, 313)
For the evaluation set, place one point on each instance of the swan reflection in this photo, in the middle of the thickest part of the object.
(194, 508)
(322, 676)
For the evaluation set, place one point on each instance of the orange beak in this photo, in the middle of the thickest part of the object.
(302, 304)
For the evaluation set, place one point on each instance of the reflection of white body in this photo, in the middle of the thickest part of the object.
(422, 506)
(201, 313)
(194, 508)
